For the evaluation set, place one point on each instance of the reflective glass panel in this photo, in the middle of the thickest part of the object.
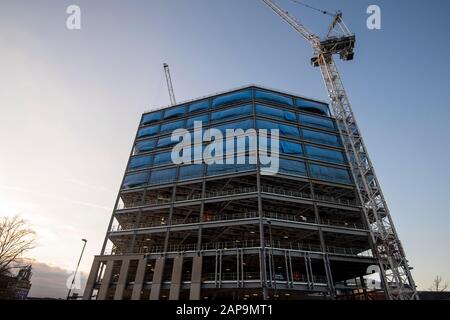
(174, 112)
(273, 97)
(135, 180)
(232, 98)
(140, 162)
(330, 174)
(148, 131)
(321, 137)
(151, 117)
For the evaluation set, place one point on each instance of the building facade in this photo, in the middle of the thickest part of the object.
(16, 286)
(232, 231)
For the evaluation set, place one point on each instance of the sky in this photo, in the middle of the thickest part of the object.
(71, 100)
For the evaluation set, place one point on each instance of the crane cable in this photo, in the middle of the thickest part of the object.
(313, 8)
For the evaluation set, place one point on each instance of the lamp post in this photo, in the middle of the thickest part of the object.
(78, 264)
(269, 222)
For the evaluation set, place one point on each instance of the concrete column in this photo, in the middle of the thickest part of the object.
(139, 281)
(122, 282)
(106, 280)
(196, 278)
(157, 278)
(364, 287)
(88, 290)
(329, 277)
(175, 285)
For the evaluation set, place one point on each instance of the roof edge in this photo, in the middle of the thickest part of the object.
(250, 85)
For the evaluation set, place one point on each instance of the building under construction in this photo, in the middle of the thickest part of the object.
(312, 229)
(201, 231)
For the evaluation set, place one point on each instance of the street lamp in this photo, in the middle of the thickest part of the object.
(272, 265)
(78, 264)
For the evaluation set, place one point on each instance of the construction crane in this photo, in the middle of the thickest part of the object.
(169, 84)
(394, 271)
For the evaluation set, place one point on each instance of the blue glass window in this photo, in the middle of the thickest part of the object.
(148, 131)
(172, 126)
(244, 125)
(291, 147)
(190, 122)
(320, 137)
(293, 167)
(284, 128)
(324, 154)
(232, 97)
(144, 146)
(240, 143)
(163, 175)
(140, 162)
(273, 97)
(214, 169)
(174, 112)
(191, 171)
(312, 106)
(264, 124)
(151, 117)
(267, 143)
(289, 130)
(162, 158)
(235, 112)
(330, 174)
(274, 112)
(245, 167)
(197, 152)
(166, 142)
(200, 105)
(135, 180)
(317, 121)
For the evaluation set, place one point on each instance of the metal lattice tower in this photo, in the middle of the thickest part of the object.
(394, 269)
(169, 84)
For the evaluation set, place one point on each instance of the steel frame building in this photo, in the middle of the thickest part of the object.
(226, 230)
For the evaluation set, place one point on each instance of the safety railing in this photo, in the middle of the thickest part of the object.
(249, 276)
(223, 193)
(346, 202)
(142, 225)
(148, 202)
(182, 221)
(231, 276)
(350, 251)
(298, 246)
(236, 216)
(237, 191)
(345, 224)
(289, 217)
(293, 246)
(281, 191)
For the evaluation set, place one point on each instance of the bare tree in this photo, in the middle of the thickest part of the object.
(16, 238)
(438, 286)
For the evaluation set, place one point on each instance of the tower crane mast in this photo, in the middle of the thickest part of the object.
(393, 266)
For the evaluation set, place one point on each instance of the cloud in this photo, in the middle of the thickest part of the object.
(54, 196)
(83, 184)
(51, 281)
